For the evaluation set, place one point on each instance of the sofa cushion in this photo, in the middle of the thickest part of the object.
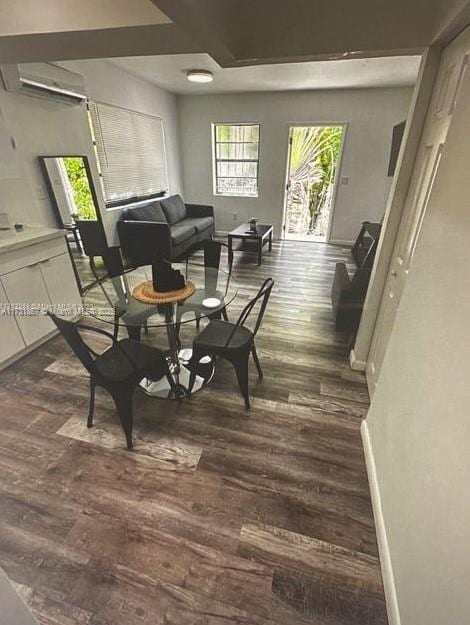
(147, 212)
(200, 223)
(174, 208)
(181, 232)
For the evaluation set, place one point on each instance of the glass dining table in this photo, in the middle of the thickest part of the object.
(112, 301)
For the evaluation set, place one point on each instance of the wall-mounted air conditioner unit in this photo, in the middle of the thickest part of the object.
(44, 80)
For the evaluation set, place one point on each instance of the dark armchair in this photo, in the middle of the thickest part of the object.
(348, 294)
(347, 297)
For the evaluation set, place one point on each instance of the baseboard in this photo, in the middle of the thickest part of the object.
(356, 365)
(341, 242)
(393, 611)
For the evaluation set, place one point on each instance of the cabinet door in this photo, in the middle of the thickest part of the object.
(11, 341)
(26, 287)
(60, 282)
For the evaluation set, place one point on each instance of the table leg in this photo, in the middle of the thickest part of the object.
(178, 361)
(230, 248)
(270, 241)
(260, 250)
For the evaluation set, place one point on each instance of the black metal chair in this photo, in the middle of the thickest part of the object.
(212, 257)
(119, 369)
(232, 341)
(95, 245)
(114, 269)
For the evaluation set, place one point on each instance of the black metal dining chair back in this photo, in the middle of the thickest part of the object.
(260, 298)
(118, 369)
(213, 254)
(212, 257)
(212, 251)
(233, 341)
(70, 332)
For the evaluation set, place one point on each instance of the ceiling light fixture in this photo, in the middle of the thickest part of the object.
(199, 75)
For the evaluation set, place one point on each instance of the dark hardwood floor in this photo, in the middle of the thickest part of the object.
(219, 516)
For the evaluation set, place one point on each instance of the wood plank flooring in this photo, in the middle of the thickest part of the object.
(219, 516)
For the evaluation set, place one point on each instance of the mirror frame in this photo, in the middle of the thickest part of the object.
(58, 217)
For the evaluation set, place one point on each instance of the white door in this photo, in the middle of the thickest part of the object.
(11, 341)
(454, 65)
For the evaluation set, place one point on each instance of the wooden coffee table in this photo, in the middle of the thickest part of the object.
(248, 238)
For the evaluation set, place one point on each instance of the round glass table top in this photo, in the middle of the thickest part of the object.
(112, 300)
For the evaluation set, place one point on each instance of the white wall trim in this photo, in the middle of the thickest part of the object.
(354, 363)
(340, 242)
(393, 611)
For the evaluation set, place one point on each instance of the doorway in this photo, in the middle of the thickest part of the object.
(312, 168)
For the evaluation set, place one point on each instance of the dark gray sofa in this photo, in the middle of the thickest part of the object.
(163, 229)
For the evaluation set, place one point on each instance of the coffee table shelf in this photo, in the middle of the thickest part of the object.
(242, 239)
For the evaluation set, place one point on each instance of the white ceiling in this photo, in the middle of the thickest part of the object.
(169, 71)
(47, 16)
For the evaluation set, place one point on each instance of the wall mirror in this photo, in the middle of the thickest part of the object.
(76, 209)
(71, 188)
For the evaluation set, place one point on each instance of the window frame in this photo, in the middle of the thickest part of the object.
(216, 160)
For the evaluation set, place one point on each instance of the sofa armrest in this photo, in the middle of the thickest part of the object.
(199, 210)
(145, 242)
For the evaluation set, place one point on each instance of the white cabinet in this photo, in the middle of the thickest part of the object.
(60, 281)
(11, 340)
(34, 276)
(26, 288)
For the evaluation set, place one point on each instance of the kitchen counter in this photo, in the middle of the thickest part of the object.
(13, 240)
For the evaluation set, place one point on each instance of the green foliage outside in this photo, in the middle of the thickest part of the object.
(314, 155)
(77, 175)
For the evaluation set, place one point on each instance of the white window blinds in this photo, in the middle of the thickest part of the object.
(131, 152)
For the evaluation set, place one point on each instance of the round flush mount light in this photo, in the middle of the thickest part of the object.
(199, 75)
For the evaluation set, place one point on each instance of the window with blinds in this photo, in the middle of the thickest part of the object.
(236, 159)
(130, 147)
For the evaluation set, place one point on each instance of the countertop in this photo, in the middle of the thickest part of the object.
(13, 240)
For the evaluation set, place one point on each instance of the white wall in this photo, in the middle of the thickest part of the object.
(107, 83)
(419, 423)
(37, 127)
(42, 127)
(370, 114)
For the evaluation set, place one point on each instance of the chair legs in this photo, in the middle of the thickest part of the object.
(124, 405)
(240, 361)
(256, 359)
(177, 390)
(134, 332)
(91, 409)
(240, 364)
